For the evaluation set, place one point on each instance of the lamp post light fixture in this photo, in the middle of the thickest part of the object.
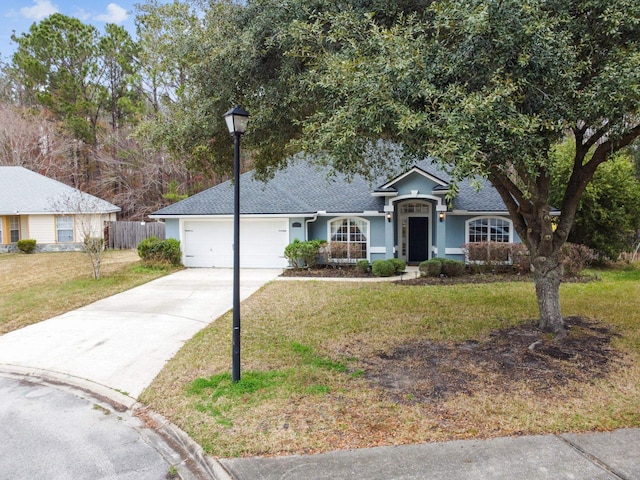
(237, 119)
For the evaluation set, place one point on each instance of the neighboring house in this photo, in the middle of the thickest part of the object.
(405, 216)
(55, 215)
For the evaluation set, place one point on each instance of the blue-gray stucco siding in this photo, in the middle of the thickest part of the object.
(172, 228)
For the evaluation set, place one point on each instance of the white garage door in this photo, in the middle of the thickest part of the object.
(209, 243)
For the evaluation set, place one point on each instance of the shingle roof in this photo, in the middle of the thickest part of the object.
(299, 189)
(484, 199)
(25, 192)
(302, 188)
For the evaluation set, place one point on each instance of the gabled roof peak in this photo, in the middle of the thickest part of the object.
(424, 168)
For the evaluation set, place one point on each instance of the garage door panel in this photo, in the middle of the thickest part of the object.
(209, 243)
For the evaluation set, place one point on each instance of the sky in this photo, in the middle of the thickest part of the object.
(19, 15)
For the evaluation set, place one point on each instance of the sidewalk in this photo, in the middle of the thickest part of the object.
(596, 456)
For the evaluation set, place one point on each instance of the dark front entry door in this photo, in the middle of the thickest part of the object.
(418, 239)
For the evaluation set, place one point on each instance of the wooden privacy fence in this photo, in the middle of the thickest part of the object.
(127, 235)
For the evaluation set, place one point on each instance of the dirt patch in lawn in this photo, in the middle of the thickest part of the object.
(428, 371)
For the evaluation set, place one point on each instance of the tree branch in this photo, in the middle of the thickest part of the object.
(512, 190)
(605, 149)
(597, 135)
(504, 186)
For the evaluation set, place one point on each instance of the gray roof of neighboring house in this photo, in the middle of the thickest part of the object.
(302, 188)
(25, 192)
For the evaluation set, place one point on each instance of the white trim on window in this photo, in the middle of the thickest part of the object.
(354, 233)
(488, 229)
(491, 229)
(64, 228)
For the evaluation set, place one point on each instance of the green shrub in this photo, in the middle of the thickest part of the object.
(452, 268)
(153, 251)
(303, 254)
(291, 252)
(383, 268)
(27, 245)
(309, 252)
(399, 264)
(362, 266)
(431, 268)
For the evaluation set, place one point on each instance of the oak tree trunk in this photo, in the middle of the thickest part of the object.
(547, 274)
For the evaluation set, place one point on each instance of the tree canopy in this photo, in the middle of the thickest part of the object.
(76, 104)
(608, 216)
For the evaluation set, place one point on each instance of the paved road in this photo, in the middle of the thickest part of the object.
(53, 432)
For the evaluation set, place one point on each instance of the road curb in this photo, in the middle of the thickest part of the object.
(204, 466)
(209, 465)
(118, 400)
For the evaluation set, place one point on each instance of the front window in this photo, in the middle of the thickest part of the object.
(489, 229)
(64, 227)
(348, 239)
(14, 229)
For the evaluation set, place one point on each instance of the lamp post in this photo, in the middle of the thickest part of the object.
(237, 119)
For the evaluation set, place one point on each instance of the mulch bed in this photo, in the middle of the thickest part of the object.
(347, 271)
(327, 271)
(428, 371)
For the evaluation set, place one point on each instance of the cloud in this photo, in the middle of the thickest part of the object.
(115, 14)
(82, 14)
(41, 9)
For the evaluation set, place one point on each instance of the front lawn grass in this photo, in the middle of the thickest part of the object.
(39, 286)
(307, 349)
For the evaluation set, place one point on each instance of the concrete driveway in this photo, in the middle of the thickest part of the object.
(123, 341)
